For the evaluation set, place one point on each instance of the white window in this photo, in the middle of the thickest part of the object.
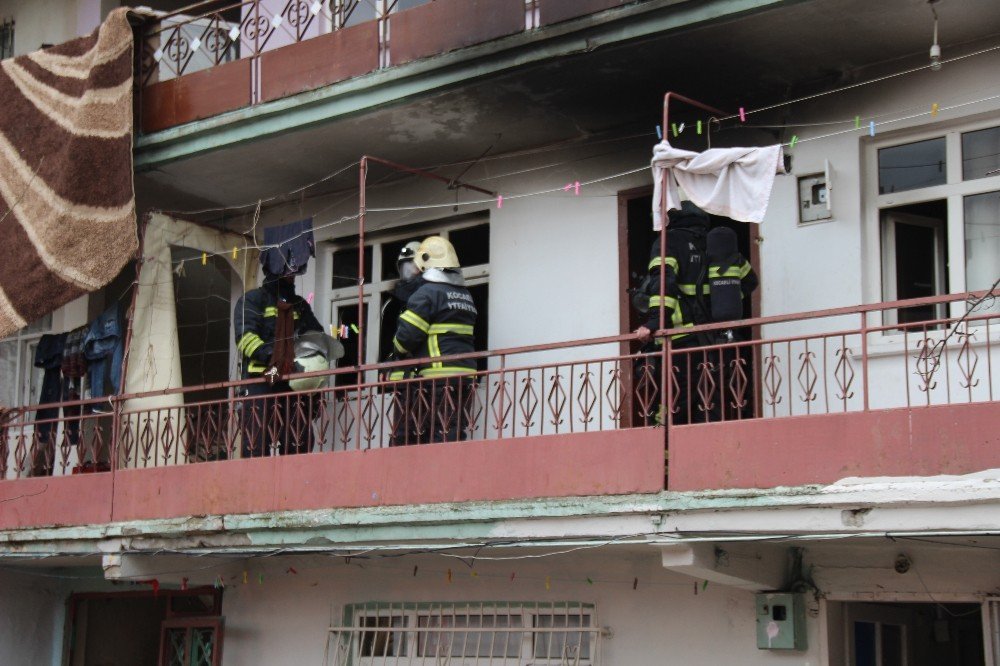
(991, 629)
(20, 380)
(471, 238)
(504, 634)
(936, 197)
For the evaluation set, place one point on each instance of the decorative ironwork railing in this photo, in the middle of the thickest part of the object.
(831, 361)
(207, 34)
(852, 359)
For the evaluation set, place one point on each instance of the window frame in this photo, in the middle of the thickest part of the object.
(336, 298)
(411, 628)
(27, 340)
(953, 192)
(189, 625)
(889, 268)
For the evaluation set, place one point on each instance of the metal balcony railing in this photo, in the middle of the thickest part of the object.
(361, 36)
(854, 359)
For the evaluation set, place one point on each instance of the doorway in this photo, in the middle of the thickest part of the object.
(145, 627)
(635, 240)
(636, 236)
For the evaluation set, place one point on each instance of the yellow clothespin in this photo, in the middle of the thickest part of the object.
(934, 110)
(204, 258)
(235, 251)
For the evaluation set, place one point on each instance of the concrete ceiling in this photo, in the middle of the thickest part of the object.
(613, 90)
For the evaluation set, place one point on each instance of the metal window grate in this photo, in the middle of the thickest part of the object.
(6, 38)
(471, 634)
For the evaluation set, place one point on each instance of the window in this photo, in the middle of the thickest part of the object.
(500, 633)
(20, 380)
(471, 238)
(6, 38)
(191, 642)
(911, 166)
(937, 212)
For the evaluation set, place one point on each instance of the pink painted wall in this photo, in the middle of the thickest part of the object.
(599, 463)
(951, 439)
(55, 501)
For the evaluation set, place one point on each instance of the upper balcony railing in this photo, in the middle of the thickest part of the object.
(217, 56)
(856, 359)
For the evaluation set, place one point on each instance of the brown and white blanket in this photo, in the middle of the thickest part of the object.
(67, 205)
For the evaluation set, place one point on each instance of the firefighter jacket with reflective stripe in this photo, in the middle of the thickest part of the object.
(401, 292)
(255, 318)
(439, 320)
(685, 306)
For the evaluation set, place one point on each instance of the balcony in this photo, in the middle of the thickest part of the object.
(814, 398)
(222, 56)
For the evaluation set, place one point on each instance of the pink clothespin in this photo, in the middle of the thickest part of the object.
(743, 115)
(576, 188)
(309, 298)
(499, 201)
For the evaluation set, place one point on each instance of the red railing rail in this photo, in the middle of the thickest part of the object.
(933, 359)
(817, 362)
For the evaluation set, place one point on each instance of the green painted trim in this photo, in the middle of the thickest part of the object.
(454, 521)
(398, 83)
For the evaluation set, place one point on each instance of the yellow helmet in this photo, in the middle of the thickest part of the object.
(436, 252)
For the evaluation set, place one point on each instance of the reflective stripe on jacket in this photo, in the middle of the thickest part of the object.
(255, 320)
(439, 321)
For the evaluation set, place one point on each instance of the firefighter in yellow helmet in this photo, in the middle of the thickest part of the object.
(439, 322)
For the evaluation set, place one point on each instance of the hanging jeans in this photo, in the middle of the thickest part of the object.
(55, 389)
(104, 348)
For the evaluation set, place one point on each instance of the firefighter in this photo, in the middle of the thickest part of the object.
(266, 321)
(706, 280)
(438, 322)
(406, 419)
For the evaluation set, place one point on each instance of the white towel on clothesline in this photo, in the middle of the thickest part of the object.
(731, 182)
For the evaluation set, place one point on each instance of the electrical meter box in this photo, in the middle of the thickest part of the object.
(781, 621)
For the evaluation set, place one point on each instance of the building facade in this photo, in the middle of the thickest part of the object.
(824, 489)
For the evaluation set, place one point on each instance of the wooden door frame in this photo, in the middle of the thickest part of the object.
(624, 299)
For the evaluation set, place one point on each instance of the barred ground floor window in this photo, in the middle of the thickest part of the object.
(499, 633)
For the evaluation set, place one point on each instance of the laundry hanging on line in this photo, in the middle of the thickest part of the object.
(729, 182)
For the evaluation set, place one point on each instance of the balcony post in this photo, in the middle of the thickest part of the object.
(502, 387)
(362, 177)
(864, 358)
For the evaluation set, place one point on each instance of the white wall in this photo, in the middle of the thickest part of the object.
(661, 622)
(553, 257)
(40, 22)
(33, 610)
(836, 263)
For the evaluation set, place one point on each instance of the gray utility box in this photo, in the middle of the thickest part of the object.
(781, 621)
